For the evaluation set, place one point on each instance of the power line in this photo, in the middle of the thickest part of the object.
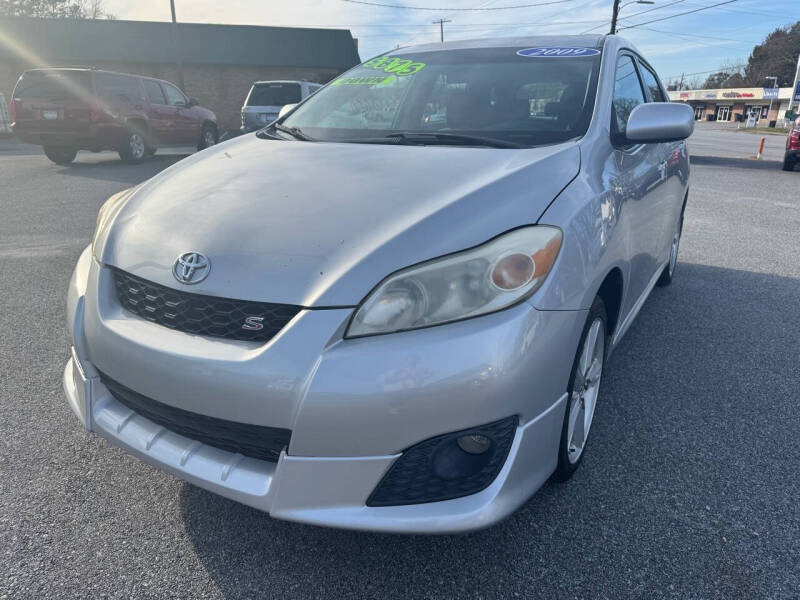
(717, 70)
(641, 12)
(688, 12)
(697, 35)
(450, 9)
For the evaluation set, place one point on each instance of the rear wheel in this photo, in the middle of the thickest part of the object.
(789, 161)
(583, 391)
(60, 155)
(208, 136)
(134, 148)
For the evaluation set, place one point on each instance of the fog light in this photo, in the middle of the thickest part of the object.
(474, 444)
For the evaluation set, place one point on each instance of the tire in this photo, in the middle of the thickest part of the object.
(668, 274)
(789, 161)
(134, 148)
(208, 136)
(60, 155)
(583, 392)
(150, 150)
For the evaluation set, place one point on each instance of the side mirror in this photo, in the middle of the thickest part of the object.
(660, 122)
(192, 102)
(285, 109)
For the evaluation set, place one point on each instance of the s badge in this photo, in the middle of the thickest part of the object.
(253, 324)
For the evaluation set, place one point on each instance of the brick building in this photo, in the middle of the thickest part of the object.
(735, 105)
(219, 61)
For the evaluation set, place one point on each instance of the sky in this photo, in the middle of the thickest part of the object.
(691, 44)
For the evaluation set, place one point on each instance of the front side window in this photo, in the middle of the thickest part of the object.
(627, 92)
(174, 96)
(490, 92)
(274, 94)
(651, 83)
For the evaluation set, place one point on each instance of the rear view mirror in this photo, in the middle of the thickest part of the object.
(660, 122)
(285, 109)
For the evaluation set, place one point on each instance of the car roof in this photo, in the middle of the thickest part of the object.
(586, 41)
(94, 70)
(281, 81)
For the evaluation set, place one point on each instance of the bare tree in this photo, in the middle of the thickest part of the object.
(54, 9)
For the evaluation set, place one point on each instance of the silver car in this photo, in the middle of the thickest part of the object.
(391, 310)
(266, 98)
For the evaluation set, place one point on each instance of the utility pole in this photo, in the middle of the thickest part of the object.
(441, 23)
(176, 42)
(617, 8)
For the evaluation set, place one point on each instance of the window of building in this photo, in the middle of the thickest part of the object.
(628, 92)
(723, 113)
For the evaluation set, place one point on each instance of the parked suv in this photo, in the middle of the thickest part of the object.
(266, 98)
(71, 109)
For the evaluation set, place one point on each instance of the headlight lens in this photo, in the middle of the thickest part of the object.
(104, 215)
(485, 279)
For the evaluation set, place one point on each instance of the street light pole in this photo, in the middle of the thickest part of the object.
(176, 42)
(618, 7)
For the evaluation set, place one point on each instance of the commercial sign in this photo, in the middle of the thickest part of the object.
(797, 91)
(770, 93)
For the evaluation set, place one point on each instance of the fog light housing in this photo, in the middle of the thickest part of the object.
(447, 466)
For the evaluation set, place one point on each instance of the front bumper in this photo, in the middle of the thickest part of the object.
(353, 406)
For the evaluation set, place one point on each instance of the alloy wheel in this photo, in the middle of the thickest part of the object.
(585, 390)
(136, 145)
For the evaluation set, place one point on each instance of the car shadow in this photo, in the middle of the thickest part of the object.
(114, 169)
(678, 452)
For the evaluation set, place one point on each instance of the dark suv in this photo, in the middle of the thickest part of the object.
(71, 109)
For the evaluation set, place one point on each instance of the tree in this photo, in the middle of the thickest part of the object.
(54, 9)
(776, 56)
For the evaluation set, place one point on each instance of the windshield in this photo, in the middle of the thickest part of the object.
(274, 94)
(493, 92)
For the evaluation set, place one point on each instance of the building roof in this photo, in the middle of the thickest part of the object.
(82, 41)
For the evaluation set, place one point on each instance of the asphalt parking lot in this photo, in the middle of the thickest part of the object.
(689, 488)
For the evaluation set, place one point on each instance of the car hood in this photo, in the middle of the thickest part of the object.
(320, 224)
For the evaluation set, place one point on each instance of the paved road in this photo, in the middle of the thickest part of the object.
(689, 489)
(711, 140)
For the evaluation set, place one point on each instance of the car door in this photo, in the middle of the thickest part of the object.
(638, 179)
(668, 203)
(161, 115)
(187, 127)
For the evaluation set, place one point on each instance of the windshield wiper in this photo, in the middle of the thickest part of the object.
(295, 132)
(443, 137)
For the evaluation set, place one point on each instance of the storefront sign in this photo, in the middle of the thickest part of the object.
(770, 93)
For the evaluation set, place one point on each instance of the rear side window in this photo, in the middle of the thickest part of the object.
(651, 83)
(627, 92)
(153, 91)
(274, 94)
(118, 87)
(53, 85)
(174, 96)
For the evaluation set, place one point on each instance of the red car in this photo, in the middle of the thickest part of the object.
(71, 109)
(792, 156)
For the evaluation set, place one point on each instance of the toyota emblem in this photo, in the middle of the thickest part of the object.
(191, 267)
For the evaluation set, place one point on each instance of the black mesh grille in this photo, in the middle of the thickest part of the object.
(416, 476)
(257, 441)
(200, 314)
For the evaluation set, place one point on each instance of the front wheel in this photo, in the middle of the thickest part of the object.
(583, 391)
(789, 161)
(60, 155)
(208, 136)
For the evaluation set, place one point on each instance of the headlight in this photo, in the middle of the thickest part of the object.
(485, 279)
(104, 215)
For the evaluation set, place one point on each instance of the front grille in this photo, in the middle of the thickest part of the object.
(260, 442)
(200, 314)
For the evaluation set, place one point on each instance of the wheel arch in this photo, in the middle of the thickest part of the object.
(611, 292)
